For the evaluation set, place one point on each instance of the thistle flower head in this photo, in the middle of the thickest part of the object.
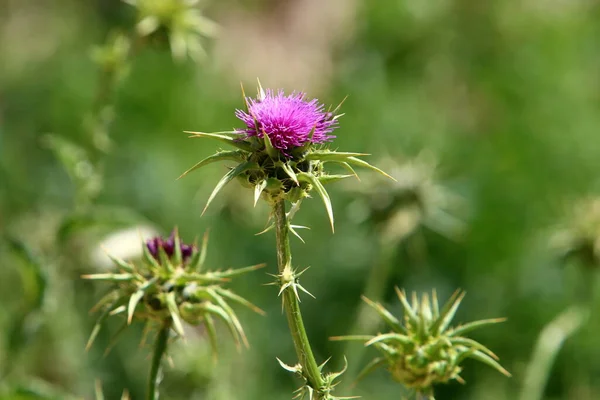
(157, 244)
(281, 152)
(423, 350)
(289, 121)
(171, 286)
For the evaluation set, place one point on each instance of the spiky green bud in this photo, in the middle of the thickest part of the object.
(423, 350)
(171, 286)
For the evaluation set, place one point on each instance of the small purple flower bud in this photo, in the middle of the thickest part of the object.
(288, 121)
(156, 243)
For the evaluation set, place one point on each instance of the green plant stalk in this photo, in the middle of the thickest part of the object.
(310, 368)
(548, 345)
(160, 348)
(425, 395)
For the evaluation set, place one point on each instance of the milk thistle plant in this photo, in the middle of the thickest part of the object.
(423, 350)
(169, 287)
(282, 154)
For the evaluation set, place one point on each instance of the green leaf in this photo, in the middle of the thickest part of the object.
(109, 277)
(390, 337)
(271, 151)
(447, 313)
(238, 271)
(174, 311)
(258, 189)
(203, 251)
(408, 310)
(392, 321)
(325, 179)
(133, 301)
(222, 136)
(177, 250)
(322, 192)
(484, 358)
(461, 330)
(228, 294)
(470, 343)
(98, 325)
(219, 312)
(234, 319)
(370, 367)
(234, 155)
(212, 335)
(363, 163)
(288, 170)
(327, 155)
(238, 170)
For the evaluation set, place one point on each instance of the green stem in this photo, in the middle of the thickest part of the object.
(310, 368)
(426, 394)
(160, 347)
(548, 345)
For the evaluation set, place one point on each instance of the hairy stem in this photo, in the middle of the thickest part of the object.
(160, 347)
(310, 368)
(548, 345)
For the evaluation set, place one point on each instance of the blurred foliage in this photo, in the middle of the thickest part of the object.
(504, 94)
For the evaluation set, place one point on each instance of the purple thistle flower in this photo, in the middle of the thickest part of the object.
(287, 120)
(156, 243)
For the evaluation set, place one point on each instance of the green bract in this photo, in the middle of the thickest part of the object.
(169, 290)
(423, 350)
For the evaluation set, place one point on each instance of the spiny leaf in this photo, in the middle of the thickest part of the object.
(370, 367)
(109, 277)
(470, 343)
(234, 155)
(360, 338)
(363, 163)
(390, 337)
(236, 322)
(392, 321)
(122, 264)
(325, 179)
(484, 358)
(212, 335)
(327, 155)
(271, 151)
(288, 170)
(447, 313)
(174, 311)
(461, 330)
(177, 244)
(258, 189)
(322, 192)
(239, 271)
(239, 299)
(408, 310)
(223, 138)
(133, 301)
(203, 251)
(99, 323)
(238, 170)
(219, 312)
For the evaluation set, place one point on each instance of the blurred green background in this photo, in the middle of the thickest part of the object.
(504, 95)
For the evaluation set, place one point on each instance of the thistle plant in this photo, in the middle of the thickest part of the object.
(423, 350)
(181, 20)
(282, 154)
(169, 287)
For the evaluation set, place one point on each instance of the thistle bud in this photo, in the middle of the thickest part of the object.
(172, 286)
(423, 350)
(181, 20)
